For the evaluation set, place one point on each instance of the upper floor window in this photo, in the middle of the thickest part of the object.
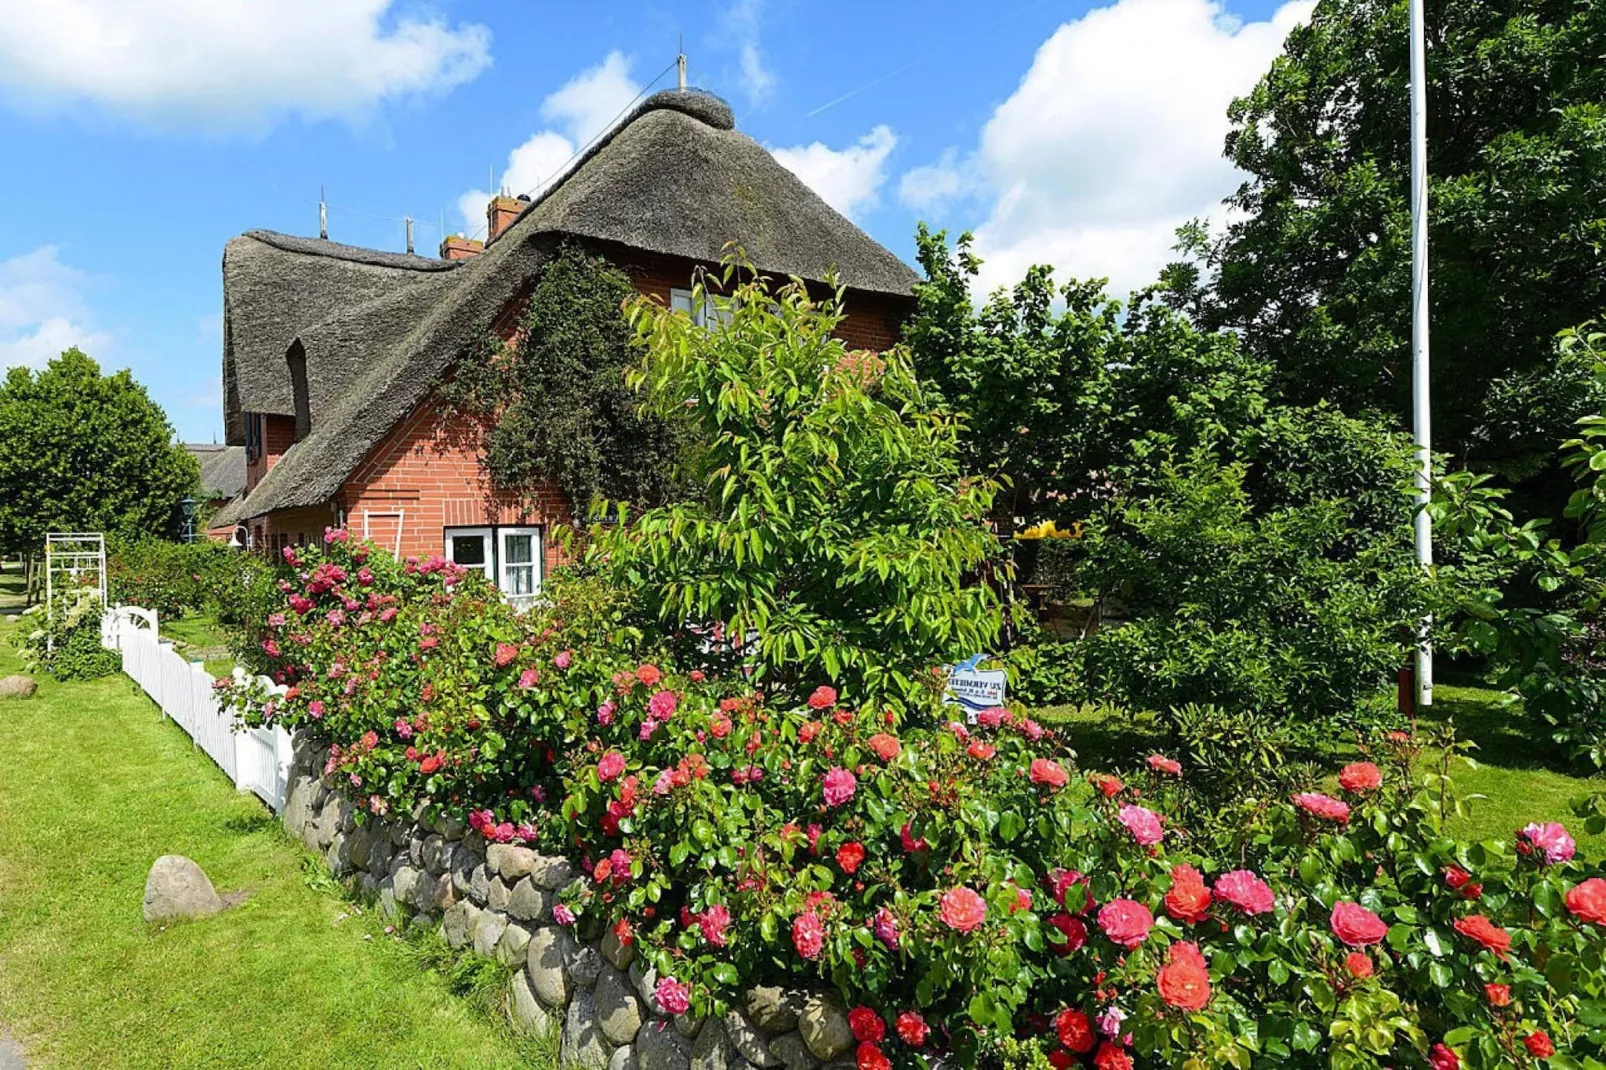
(253, 436)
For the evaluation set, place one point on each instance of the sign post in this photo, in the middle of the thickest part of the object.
(973, 689)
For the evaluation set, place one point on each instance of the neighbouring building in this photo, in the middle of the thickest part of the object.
(222, 479)
(331, 353)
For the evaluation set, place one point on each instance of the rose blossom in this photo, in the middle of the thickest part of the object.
(1183, 981)
(1142, 823)
(962, 909)
(886, 747)
(505, 653)
(528, 679)
(1358, 777)
(912, 1029)
(1355, 925)
(1073, 929)
(1479, 928)
(1112, 1057)
(662, 705)
(823, 698)
(649, 674)
(850, 856)
(1442, 1058)
(1110, 1021)
(839, 786)
(1074, 1030)
(1587, 900)
(611, 765)
(866, 1025)
(1189, 899)
(1244, 890)
(713, 922)
(982, 752)
(1161, 764)
(885, 928)
(1049, 772)
(562, 914)
(1538, 1044)
(605, 714)
(869, 1057)
(1323, 806)
(1125, 921)
(808, 935)
(1497, 995)
(1359, 965)
(1549, 839)
(672, 996)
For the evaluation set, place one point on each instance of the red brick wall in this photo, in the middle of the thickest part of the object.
(278, 435)
(430, 472)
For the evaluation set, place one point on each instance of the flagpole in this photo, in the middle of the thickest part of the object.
(1421, 409)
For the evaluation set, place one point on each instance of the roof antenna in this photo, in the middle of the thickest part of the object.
(409, 234)
(323, 216)
(680, 64)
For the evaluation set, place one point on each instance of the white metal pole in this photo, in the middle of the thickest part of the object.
(1421, 408)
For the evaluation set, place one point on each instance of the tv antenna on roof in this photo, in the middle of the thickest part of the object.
(323, 215)
(680, 64)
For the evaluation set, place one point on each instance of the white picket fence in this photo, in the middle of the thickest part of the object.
(256, 759)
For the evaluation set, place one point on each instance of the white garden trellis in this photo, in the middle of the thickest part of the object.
(74, 560)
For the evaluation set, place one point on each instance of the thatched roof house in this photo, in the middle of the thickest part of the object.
(331, 353)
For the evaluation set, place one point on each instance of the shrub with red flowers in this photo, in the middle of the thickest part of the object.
(966, 888)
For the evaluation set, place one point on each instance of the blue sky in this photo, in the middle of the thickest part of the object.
(142, 137)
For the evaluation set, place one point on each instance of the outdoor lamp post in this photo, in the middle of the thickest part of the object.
(1420, 408)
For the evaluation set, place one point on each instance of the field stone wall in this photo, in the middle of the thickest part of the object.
(497, 899)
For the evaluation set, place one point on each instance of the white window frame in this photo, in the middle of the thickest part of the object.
(680, 301)
(503, 565)
(488, 567)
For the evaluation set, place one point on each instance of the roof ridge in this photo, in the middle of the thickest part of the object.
(358, 254)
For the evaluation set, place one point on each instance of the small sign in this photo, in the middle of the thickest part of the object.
(974, 689)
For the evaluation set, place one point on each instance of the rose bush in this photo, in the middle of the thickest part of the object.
(966, 888)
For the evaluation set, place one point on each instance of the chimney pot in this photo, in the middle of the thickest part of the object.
(457, 247)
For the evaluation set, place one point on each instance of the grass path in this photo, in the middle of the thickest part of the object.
(1522, 774)
(93, 787)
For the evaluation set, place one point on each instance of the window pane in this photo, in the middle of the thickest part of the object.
(468, 550)
(518, 549)
(520, 579)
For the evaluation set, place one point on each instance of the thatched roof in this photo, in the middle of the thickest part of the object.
(273, 286)
(222, 468)
(674, 178)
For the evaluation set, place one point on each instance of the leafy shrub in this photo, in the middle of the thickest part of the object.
(967, 886)
(67, 645)
(1046, 672)
(175, 578)
(833, 535)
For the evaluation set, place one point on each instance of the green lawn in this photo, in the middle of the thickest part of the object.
(1524, 776)
(199, 635)
(95, 786)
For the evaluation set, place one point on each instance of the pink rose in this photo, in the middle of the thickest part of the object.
(808, 935)
(839, 786)
(713, 922)
(1051, 773)
(1125, 921)
(1549, 839)
(564, 659)
(505, 653)
(1355, 925)
(962, 909)
(1323, 806)
(611, 765)
(672, 996)
(562, 914)
(662, 705)
(885, 928)
(528, 679)
(1244, 890)
(1144, 824)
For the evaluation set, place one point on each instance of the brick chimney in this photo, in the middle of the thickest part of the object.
(501, 212)
(457, 247)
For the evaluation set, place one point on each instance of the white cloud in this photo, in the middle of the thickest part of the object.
(1111, 141)
(229, 63)
(582, 108)
(743, 21)
(849, 179)
(43, 311)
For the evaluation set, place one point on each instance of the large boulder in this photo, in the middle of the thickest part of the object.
(17, 687)
(583, 1046)
(824, 1027)
(178, 888)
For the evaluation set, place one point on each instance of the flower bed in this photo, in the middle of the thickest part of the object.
(964, 889)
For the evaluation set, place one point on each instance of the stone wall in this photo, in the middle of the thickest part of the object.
(497, 899)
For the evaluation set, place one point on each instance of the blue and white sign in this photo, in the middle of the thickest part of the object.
(973, 689)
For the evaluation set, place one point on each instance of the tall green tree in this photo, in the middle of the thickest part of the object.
(82, 451)
(1315, 273)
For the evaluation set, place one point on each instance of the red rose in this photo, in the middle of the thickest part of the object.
(867, 1025)
(649, 675)
(869, 1057)
(849, 856)
(1479, 928)
(1355, 925)
(1109, 786)
(1075, 1031)
(429, 764)
(1538, 1044)
(1111, 1057)
(808, 731)
(1125, 922)
(1060, 1059)
(823, 698)
(1442, 1058)
(1587, 900)
(1497, 995)
(912, 1029)
(1047, 771)
(885, 746)
(982, 752)
(1072, 929)
(1189, 899)
(1359, 964)
(962, 910)
(1183, 981)
(1358, 777)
